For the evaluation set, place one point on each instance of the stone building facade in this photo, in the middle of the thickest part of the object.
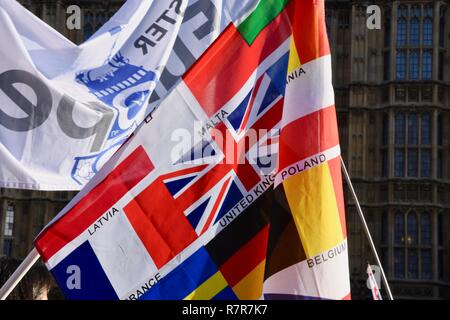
(392, 90)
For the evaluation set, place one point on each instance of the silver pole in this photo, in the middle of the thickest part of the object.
(366, 229)
(21, 271)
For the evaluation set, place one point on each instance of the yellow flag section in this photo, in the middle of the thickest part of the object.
(309, 166)
(312, 201)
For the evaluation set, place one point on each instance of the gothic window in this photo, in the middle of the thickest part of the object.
(412, 129)
(401, 65)
(414, 28)
(412, 237)
(399, 128)
(399, 162)
(413, 264)
(428, 27)
(412, 162)
(426, 128)
(8, 231)
(402, 26)
(399, 263)
(427, 271)
(427, 64)
(426, 163)
(425, 228)
(414, 34)
(412, 152)
(399, 231)
(414, 65)
(413, 254)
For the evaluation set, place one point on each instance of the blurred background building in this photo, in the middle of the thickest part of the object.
(393, 100)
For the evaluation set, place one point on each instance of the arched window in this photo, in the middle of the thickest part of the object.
(425, 229)
(426, 128)
(412, 237)
(399, 230)
(399, 128)
(413, 264)
(427, 270)
(426, 141)
(414, 65)
(426, 163)
(399, 263)
(413, 167)
(412, 129)
(402, 26)
(428, 27)
(414, 34)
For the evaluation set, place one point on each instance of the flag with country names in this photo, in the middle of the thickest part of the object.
(309, 169)
(187, 209)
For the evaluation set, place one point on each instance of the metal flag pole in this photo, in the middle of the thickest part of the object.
(21, 271)
(366, 229)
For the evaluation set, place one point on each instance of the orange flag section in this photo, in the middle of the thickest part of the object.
(309, 29)
(312, 200)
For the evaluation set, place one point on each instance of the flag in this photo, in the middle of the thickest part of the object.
(186, 208)
(309, 168)
(376, 294)
(86, 100)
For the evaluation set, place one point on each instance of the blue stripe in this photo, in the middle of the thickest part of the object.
(237, 116)
(195, 216)
(176, 186)
(183, 279)
(226, 294)
(234, 195)
(84, 264)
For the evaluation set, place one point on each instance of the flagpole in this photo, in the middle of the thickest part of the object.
(366, 229)
(18, 275)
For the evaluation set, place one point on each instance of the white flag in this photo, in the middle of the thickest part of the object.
(65, 109)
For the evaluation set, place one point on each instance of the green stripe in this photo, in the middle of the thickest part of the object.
(265, 12)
